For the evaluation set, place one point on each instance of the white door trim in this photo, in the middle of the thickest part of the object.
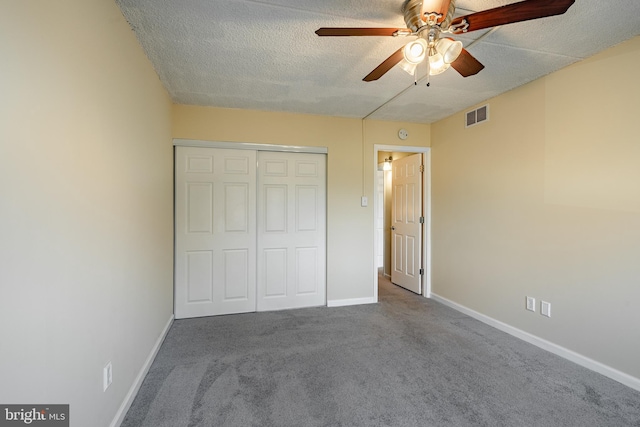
(179, 142)
(426, 200)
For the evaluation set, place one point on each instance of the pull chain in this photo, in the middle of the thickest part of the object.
(428, 72)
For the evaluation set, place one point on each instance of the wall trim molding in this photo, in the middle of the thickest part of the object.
(133, 391)
(556, 349)
(179, 142)
(350, 301)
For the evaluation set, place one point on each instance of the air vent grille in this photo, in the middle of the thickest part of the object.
(479, 115)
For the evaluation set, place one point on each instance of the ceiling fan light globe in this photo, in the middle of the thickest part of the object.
(449, 49)
(437, 64)
(407, 66)
(415, 51)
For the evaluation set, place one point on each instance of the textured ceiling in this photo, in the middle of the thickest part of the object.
(264, 54)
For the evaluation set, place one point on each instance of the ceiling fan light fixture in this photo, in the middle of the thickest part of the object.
(428, 19)
(415, 51)
(449, 49)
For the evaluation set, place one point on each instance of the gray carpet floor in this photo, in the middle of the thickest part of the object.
(406, 361)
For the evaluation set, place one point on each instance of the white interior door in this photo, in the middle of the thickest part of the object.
(215, 231)
(291, 230)
(406, 223)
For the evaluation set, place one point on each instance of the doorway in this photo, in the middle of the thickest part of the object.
(381, 152)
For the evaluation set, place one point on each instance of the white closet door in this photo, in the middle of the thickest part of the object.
(291, 230)
(215, 231)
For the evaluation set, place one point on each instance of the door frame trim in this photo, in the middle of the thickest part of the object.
(426, 206)
(180, 142)
(257, 147)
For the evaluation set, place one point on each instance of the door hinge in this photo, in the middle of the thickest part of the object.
(421, 220)
(422, 168)
(422, 271)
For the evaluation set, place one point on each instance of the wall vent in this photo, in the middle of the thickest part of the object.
(479, 115)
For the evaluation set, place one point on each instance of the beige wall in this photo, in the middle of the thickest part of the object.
(86, 206)
(544, 200)
(350, 227)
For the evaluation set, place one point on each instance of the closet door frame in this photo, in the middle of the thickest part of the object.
(257, 148)
(249, 146)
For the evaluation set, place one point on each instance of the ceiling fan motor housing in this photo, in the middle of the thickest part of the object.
(412, 10)
(414, 19)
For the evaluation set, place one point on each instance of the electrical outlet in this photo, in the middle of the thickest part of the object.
(531, 304)
(107, 376)
(545, 308)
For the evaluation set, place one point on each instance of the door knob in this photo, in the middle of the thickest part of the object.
(393, 228)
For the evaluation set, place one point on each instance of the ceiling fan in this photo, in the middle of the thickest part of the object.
(430, 20)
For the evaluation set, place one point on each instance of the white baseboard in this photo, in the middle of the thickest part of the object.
(581, 360)
(352, 301)
(133, 391)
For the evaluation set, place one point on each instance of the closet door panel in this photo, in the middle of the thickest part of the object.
(291, 224)
(215, 231)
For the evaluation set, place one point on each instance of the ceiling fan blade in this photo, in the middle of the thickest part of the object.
(436, 6)
(515, 12)
(466, 64)
(388, 64)
(337, 32)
